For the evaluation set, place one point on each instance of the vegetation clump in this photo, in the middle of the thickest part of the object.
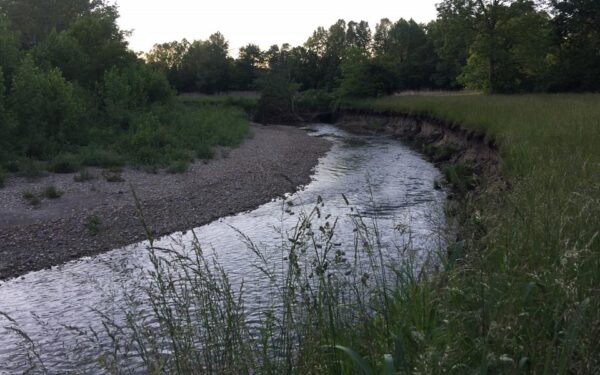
(93, 224)
(83, 176)
(32, 198)
(51, 192)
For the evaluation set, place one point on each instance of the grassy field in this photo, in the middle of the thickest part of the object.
(524, 294)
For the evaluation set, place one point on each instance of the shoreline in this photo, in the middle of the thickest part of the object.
(275, 161)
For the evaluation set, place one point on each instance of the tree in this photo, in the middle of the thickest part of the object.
(513, 53)
(404, 49)
(363, 76)
(276, 104)
(9, 48)
(168, 58)
(358, 36)
(35, 19)
(577, 35)
(247, 66)
(206, 67)
(46, 109)
(451, 35)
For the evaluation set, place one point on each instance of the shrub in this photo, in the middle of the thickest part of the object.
(96, 157)
(31, 198)
(461, 177)
(113, 176)
(28, 168)
(65, 163)
(46, 110)
(2, 178)
(83, 176)
(51, 192)
(93, 224)
(179, 166)
(204, 151)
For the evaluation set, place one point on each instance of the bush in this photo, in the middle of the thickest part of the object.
(93, 224)
(179, 166)
(46, 110)
(204, 151)
(113, 175)
(31, 198)
(51, 192)
(314, 100)
(96, 157)
(65, 163)
(148, 140)
(84, 176)
(28, 168)
(2, 178)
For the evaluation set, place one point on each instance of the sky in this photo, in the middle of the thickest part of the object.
(263, 22)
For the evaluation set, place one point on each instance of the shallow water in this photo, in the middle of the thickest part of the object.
(380, 177)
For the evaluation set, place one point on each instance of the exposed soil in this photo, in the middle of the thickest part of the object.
(276, 160)
(445, 144)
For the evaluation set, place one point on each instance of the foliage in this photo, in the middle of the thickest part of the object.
(46, 109)
(51, 192)
(277, 98)
(64, 163)
(521, 286)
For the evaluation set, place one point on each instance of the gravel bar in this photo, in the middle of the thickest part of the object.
(274, 160)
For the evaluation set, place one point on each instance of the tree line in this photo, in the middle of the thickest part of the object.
(72, 90)
(498, 46)
(69, 80)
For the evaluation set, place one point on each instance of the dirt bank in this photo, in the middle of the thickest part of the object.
(445, 144)
(274, 161)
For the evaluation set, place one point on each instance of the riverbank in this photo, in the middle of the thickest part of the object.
(518, 293)
(97, 215)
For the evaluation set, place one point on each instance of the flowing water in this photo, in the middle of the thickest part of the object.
(381, 178)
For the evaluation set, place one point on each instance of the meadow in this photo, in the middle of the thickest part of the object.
(521, 294)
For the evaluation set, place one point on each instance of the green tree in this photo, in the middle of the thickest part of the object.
(206, 66)
(35, 19)
(512, 55)
(363, 77)
(358, 36)
(277, 101)
(126, 91)
(247, 66)
(168, 58)
(404, 49)
(9, 48)
(577, 36)
(451, 35)
(46, 111)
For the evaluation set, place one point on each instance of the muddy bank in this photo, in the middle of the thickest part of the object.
(444, 144)
(97, 215)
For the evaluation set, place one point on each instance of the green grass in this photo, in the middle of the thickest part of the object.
(93, 224)
(51, 192)
(32, 198)
(156, 138)
(83, 176)
(178, 167)
(523, 295)
(65, 163)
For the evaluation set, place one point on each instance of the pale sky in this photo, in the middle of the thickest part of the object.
(263, 22)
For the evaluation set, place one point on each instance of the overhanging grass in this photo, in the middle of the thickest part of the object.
(524, 295)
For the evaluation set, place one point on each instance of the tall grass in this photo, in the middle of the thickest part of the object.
(322, 302)
(523, 295)
(327, 309)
